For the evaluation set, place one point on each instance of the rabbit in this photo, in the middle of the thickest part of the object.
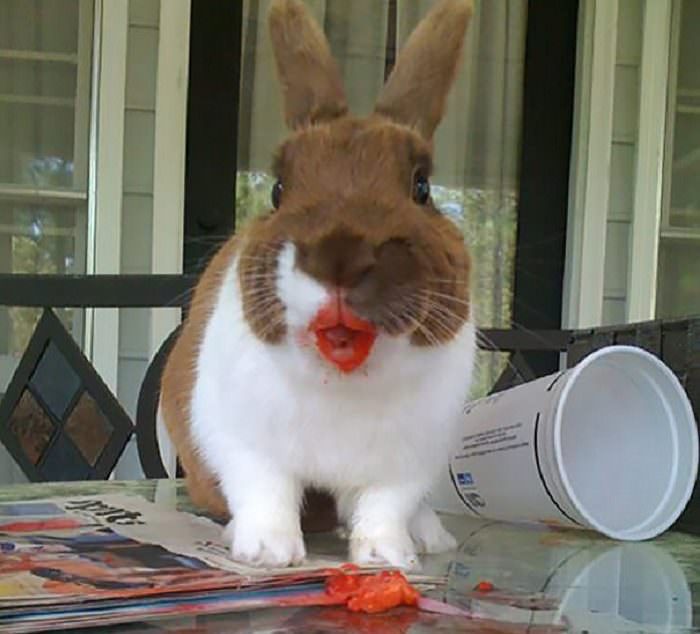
(256, 412)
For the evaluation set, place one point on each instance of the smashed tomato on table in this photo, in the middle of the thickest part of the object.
(371, 593)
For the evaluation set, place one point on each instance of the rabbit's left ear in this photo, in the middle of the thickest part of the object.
(416, 91)
(311, 81)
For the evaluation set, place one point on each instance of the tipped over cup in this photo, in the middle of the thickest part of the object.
(609, 445)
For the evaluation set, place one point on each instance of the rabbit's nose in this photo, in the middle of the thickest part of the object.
(340, 259)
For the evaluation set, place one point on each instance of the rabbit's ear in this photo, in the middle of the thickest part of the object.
(417, 89)
(311, 81)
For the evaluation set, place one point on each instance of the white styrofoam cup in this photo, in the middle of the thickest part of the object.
(610, 445)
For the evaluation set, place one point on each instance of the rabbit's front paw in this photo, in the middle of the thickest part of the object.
(258, 545)
(428, 532)
(394, 548)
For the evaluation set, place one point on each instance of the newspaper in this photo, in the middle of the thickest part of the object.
(87, 560)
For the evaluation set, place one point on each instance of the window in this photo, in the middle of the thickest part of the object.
(92, 122)
(45, 70)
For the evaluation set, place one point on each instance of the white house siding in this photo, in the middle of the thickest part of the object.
(137, 204)
(622, 161)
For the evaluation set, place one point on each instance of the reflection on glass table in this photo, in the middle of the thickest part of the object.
(543, 580)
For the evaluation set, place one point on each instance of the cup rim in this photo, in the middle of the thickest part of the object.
(644, 531)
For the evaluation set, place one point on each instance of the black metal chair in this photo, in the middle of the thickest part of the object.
(146, 410)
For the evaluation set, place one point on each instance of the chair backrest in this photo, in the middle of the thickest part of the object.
(147, 410)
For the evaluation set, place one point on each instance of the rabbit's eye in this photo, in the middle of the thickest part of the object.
(276, 194)
(421, 189)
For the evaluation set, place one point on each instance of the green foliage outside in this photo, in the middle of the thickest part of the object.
(36, 248)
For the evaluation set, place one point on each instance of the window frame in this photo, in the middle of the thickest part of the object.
(588, 207)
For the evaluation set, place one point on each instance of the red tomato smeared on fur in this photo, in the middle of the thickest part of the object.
(342, 338)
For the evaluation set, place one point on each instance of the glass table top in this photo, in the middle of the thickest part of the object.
(544, 580)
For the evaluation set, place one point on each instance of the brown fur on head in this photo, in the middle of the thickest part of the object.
(349, 188)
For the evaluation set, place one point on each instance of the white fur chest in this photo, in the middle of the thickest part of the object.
(391, 422)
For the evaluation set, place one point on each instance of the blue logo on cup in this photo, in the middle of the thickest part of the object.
(465, 479)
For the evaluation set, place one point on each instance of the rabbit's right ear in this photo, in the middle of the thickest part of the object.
(416, 91)
(311, 81)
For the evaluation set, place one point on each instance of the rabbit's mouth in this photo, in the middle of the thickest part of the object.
(342, 337)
